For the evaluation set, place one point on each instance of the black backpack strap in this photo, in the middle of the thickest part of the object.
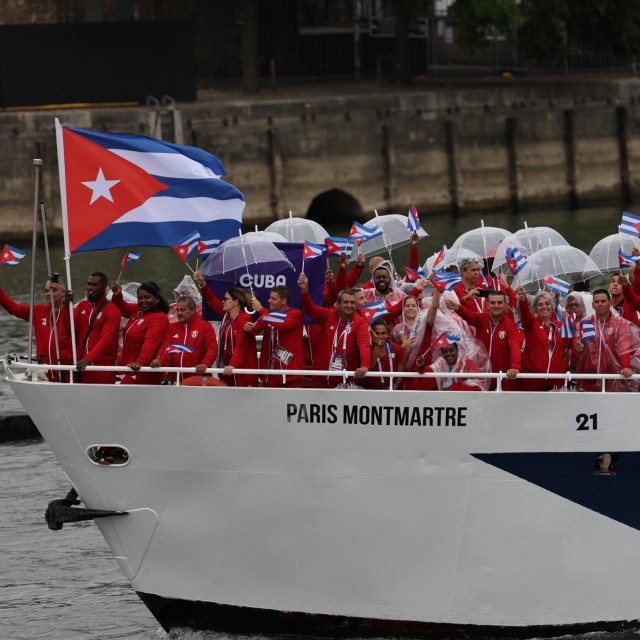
(86, 335)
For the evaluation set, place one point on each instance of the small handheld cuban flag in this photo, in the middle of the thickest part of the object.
(364, 233)
(415, 274)
(446, 340)
(311, 250)
(587, 331)
(207, 247)
(558, 313)
(373, 311)
(440, 257)
(627, 260)
(339, 245)
(413, 220)
(445, 281)
(568, 328)
(274, 317)
(630, 224)
(130, 257)
(188, 246)
(11, 256)
(555, 284)
(516, 260)
(178, 347)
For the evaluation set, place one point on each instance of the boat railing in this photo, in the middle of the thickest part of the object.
(10, 362)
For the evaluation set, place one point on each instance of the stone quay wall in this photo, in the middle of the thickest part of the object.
(458, 148)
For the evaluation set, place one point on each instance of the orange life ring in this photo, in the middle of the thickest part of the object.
(196, 381)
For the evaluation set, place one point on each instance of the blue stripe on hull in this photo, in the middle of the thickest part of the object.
(571, 476)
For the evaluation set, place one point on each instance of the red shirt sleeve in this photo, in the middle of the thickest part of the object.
(154, 336)
(630, 297)
(354, 275)
(18, 310)
(211, 345)
(110, 328)
(414, 257)
(362, 338)
(127, 309)
(213, 302)
(316, 313)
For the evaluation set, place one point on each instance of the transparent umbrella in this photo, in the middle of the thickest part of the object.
(527, 241)
(563, 261)
(394, 234)
(605, 251)
(271, 236)
(241, 255)
(461, 255)
(299, 230)
(482, 242)
(536, 238)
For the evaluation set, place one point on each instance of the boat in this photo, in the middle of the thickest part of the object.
(340, 512)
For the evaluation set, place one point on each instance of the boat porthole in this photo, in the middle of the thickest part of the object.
(108, 455)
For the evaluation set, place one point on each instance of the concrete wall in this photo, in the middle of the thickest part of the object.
(458, 149)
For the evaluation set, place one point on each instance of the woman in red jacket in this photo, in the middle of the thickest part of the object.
(544, 349)
(145, 331)
(236, 348)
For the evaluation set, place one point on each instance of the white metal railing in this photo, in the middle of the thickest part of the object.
(9, 362)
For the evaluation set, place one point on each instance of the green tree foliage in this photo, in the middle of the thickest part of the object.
(480, 21)
(549, 30)
(606, 26)
(411, 9)
(543, 35)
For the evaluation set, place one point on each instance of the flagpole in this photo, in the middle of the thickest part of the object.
(119, 276)
(65, 231)
(49, 271)
(37, 163)
(246, 264)
(485, 260)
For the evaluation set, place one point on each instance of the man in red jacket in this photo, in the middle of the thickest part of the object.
(97, 325)
(190, 342)
(499, 334)
(43, 328)
(344, 339)
(468, 291)
(282, 346)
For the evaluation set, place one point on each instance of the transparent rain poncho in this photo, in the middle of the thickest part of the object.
(616, 346)
(472, 358)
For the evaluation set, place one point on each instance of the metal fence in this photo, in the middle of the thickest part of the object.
(331, 40)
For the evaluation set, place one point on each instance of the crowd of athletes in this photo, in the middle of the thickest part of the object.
(481, 326)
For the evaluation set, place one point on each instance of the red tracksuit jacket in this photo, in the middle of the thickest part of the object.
(197, 334)
(288, 335)
(102, 345)
(357, 338)
(502, 342)
(142, 337)
(43, 331)
(237, 347)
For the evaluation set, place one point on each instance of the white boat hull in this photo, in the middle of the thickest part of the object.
(434, 509)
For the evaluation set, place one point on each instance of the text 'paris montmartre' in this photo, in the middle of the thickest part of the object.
(377, 415)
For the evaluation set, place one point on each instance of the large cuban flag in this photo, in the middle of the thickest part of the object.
(124, 190)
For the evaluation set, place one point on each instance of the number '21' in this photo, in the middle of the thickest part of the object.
(587, 422)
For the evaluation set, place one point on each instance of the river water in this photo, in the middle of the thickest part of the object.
(65, 585)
